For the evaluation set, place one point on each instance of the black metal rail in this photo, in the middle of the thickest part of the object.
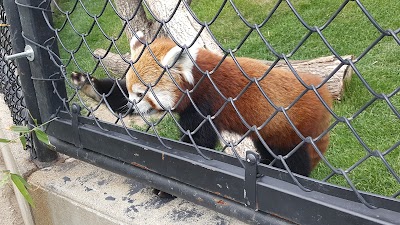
(223, 177)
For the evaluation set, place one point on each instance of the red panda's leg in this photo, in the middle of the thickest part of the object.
(190, 119)
(299, 162)
(114, 94)
(205, 136)
(322, 146)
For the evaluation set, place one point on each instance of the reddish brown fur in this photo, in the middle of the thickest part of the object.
(309, 115)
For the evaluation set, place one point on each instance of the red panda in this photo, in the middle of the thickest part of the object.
(214, 83)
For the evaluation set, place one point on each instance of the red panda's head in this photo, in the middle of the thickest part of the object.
(149, 85)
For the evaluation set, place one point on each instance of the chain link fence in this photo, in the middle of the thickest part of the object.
(10, 86)
(106, 84)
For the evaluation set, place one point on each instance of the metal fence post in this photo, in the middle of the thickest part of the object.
(40, 79)
(24, 73)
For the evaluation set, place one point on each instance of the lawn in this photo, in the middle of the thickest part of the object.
(350, 33)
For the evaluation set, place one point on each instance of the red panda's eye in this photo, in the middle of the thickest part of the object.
(139, 95)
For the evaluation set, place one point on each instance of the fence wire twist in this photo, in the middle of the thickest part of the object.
(72, 55)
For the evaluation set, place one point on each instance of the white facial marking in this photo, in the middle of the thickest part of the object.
(165, 97)
(184, 61)
(136, 96)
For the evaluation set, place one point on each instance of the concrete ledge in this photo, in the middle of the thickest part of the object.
(74, 192)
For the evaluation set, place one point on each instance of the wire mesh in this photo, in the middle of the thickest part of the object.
(9, 81)
(81, 28)
(9, 84)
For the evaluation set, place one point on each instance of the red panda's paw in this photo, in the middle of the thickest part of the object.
(78, 79)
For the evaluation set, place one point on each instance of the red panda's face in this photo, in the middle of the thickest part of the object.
(149, 86)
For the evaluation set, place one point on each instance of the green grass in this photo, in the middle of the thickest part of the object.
(349, 34)
(165, 127)
(82, 24)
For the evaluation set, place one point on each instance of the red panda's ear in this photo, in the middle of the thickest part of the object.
(136, 41)
(178, 58)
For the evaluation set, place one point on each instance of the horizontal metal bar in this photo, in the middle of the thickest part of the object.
(333, 190)
(275, 196)
(317, 208)
(322, 187)
(176, 188)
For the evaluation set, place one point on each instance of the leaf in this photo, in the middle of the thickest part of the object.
(2, 140)
(42, 136)
(21, 179)
(22, 129)
(22, 186)
(23, 141)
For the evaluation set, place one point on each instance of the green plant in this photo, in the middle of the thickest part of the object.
(19, 181)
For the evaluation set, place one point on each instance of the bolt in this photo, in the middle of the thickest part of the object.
(28, 53)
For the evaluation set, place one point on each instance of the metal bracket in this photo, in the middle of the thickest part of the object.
(250, 182)
(76, 111)
(28, 53)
